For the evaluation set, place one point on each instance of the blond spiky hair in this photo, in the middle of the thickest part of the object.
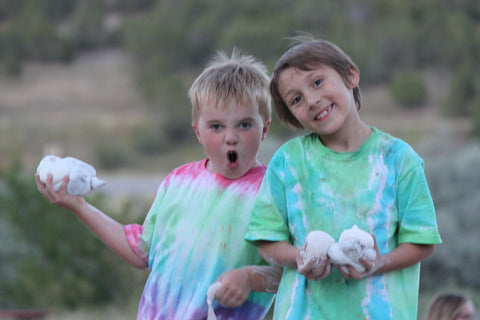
(240, 77)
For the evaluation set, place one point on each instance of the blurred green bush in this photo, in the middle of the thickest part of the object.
(48, 258)
(455, 185)
(172, 40)
(408, 89)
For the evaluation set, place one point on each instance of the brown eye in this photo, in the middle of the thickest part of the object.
(245, 125)
(317, 82)
(296, 100)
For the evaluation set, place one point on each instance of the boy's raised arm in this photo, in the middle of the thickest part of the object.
(110, 231)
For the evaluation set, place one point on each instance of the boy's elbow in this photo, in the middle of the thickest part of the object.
(139, 265)
(428, 250)
(137, 262)
(263, 251)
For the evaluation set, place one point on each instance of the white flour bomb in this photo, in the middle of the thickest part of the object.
(210, 296)
(83, 177)
(317, 244)
(354, 244)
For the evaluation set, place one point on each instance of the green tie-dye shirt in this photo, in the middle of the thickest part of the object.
(380, 188)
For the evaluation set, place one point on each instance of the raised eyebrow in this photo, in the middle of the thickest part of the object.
(290, 94)
(316, 74)
(214, 122)
(248, 119)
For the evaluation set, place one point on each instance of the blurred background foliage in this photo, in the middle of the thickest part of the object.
(392, 42)
(48, 258)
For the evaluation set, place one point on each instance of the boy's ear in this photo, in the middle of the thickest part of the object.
(266, 125)
(353, 77)
(195, 128)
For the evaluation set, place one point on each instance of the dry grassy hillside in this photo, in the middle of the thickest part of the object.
(68, 108)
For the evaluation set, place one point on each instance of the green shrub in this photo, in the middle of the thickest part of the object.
(12, 64)
(87, 24)
(54, 261)
(112, 157)
(408, 89)
(148, 140)
(476, 118)
(461, 93)
(455, 185)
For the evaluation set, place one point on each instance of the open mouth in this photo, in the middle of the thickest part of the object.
(232, 156)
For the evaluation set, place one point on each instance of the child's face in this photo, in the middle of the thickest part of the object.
(319, 98)
(468, 312)
(230, 135)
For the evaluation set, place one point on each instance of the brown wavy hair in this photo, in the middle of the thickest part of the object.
(306, 54)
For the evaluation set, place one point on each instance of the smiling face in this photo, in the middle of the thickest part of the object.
(230, 134)
(319, 98)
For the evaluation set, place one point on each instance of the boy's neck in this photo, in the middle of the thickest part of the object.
(208, 167)
(348, 140)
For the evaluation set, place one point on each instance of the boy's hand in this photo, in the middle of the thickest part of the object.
(314, 268)
(60, 197)
(235, 288)
(370, 266)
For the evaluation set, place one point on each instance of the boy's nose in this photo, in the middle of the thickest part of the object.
(313, 101)
(231, 137)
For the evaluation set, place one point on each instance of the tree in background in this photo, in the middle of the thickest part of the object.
(171, 40)
(48, 258)
(455, 185)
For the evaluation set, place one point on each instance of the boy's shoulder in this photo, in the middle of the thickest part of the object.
(297, 144)
(190, 168)
(391, 141)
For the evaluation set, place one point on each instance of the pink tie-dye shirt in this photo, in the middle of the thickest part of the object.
(192, 234)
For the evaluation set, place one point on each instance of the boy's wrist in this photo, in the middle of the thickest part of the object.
(377, 267)
(249, 279)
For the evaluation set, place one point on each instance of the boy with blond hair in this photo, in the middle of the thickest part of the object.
(193, 233)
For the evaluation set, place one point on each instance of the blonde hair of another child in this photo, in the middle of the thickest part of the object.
(239, 77)
(446, 306)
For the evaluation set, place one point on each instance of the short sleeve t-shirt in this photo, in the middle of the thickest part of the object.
(192, 234)
(381, 188)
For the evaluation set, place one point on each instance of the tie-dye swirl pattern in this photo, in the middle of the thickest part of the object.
(192, 234)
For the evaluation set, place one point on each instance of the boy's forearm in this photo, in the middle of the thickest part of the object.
(264, 278)
(107, 229)
(279, 253)
(110, 231)
(404, 256)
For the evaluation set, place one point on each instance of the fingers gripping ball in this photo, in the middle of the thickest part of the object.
(354, 244)
(83, 179)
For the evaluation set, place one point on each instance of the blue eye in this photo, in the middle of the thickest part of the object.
(317, 82)
(216, 127)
